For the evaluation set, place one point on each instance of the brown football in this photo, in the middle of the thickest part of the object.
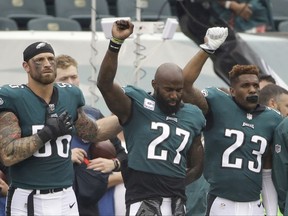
(104, 149)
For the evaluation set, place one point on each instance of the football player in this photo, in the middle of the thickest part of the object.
(238, 137)
(37, 121)
(163, 135)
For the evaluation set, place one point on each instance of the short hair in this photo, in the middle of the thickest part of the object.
(65, 61)
(238, 70)
(270, 91)
(267, 78)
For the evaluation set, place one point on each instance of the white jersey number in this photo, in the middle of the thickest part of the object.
(254, 166)
(162, 137)
(62, 143)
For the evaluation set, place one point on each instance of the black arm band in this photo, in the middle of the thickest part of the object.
(114, 47)
(115, 44)
(209, 52)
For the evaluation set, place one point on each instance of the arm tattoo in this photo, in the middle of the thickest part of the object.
(85, 127)
(14, 148)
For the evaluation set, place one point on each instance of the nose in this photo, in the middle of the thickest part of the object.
(173, 94)
(253, 89)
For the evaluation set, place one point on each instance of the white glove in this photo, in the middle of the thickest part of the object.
(214, 37)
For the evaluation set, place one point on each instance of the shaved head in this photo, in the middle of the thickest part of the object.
(168, 72)
(168, 87)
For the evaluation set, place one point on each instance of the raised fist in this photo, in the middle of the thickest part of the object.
(214, 38)
(122, 29)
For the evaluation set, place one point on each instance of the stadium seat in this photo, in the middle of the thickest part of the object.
(80, 10)
(283, 26)
(53, 24)
(22, 10)
(157, 10)
(7, 24)
(50, 7)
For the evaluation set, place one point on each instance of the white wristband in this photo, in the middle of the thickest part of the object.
(227, 4)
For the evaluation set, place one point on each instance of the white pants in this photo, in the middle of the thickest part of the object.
(119, 200)
(165, 207)
(222, 206)
(58, 203)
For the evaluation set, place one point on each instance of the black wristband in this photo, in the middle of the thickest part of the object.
(114, 47)
(115, 44)
(208, 51)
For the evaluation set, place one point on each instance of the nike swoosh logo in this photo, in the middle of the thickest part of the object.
(71, 205)
(259, 205)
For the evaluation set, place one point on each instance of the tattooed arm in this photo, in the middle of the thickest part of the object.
(13, 148)
(96, 131)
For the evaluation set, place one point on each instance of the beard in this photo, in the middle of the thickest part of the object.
(44, 79)
(164, 105)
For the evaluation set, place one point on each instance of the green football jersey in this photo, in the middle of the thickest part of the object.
(158, 143)
(50, 166)
(280, 164)
(235, 142)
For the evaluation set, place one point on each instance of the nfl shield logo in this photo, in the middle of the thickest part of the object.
(51, 107)
(277, 148)
(249, 116)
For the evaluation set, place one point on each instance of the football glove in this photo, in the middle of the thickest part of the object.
(214, 38)
(56, 127)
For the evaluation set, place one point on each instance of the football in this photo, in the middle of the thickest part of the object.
(104, 149)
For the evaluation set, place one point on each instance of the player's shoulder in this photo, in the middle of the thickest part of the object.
(273, 112)
(135, 92)
(132, 89)
(282, 126)
(67, 88)
(268, 114)
(213, 92)
(192, 108)
(13, 91)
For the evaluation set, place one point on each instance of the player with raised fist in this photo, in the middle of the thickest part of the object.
(162, 135)
(237, 138)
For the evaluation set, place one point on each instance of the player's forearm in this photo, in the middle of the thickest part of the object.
(193, 68)
(191, 72)
(195, 161)
(105, 128)
(13, 148)
(108, 128)
(107, 71)
(114, 179)
(193, 174)
(19, 149)
(84, 127)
